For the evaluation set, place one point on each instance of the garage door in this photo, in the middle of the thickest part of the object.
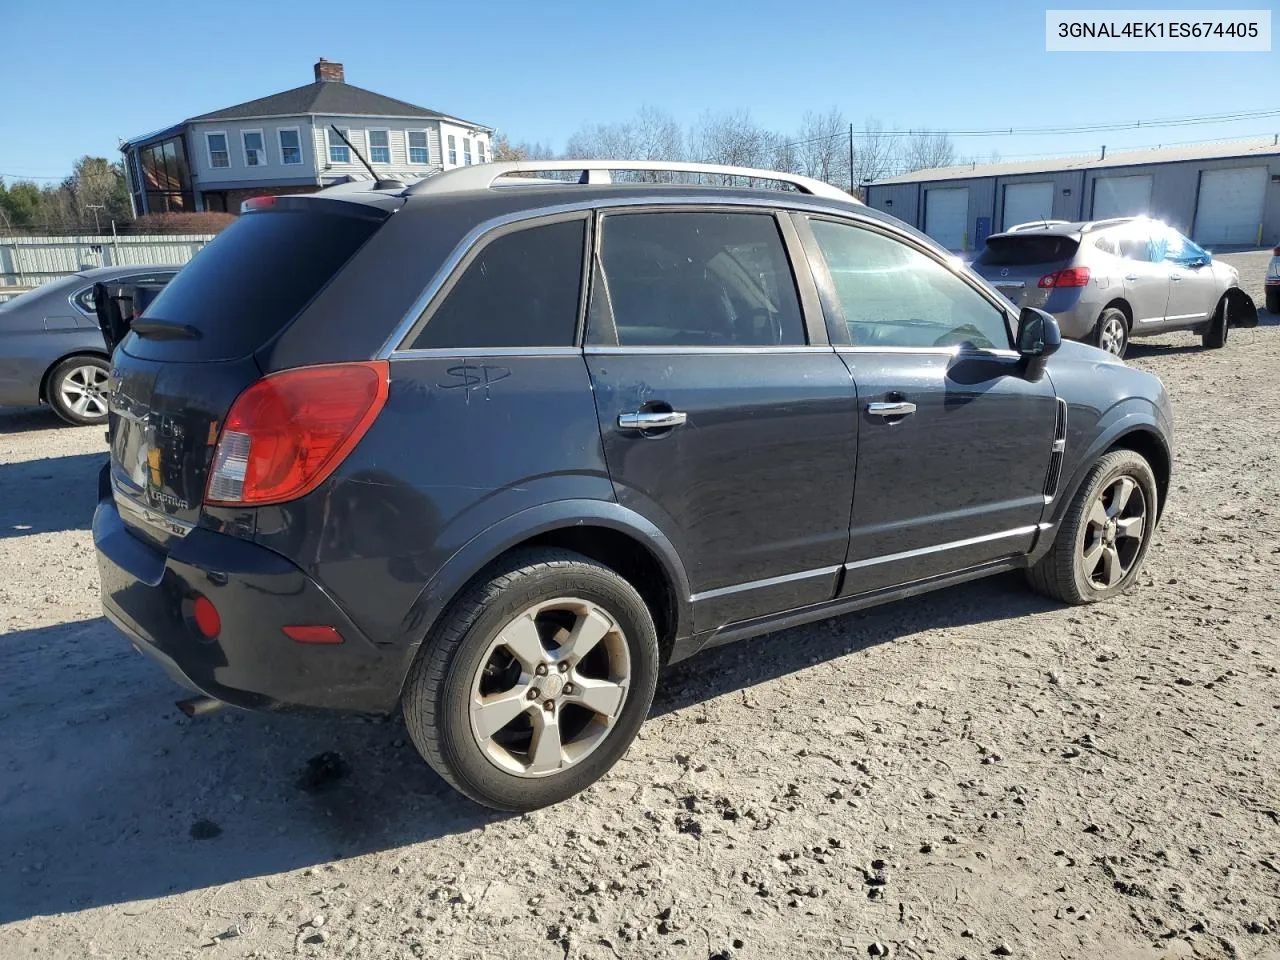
(1121, 197)
(946, 215)
(1024, 202)
(1230, 206)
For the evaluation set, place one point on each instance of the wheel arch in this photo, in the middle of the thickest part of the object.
(1121, 304)
(1148, 444)
(48, 372)
(605, 532)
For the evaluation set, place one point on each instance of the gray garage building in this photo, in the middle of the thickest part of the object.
(1223, 195)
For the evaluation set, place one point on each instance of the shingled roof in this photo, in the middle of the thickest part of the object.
(324, 97)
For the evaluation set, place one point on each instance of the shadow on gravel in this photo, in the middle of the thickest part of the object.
(28, 419)
(44, 496)
(747, 663)
(109, 795)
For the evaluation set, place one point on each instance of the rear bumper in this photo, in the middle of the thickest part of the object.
(149, 595)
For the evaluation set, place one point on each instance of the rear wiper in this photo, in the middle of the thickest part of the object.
(164, 329)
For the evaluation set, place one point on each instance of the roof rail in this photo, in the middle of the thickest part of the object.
(1112, 221)
(485, 175)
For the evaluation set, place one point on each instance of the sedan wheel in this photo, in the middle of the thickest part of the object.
(78, 390)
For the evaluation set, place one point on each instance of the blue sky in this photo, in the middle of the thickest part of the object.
(75, 81)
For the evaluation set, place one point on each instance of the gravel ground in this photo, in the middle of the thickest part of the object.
(976, 772)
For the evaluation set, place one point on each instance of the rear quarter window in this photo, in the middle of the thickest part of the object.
(250, 281)
(521, 289)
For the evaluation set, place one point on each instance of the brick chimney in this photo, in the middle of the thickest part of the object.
(326, 70)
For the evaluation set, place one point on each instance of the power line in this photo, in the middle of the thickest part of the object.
(1047, 131)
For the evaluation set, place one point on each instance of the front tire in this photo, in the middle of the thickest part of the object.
(1215, 335)
(1103, 539)
(1111, 332)
(77, 390)
(536, 683)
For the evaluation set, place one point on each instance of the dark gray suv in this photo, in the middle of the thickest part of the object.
(492, 450)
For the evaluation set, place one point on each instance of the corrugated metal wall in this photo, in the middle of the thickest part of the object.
(1174, 190)
(30, 261)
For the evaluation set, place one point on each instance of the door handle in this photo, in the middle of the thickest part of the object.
(898, 408)
(652, 420)
(1175, 278)
(1131, 276)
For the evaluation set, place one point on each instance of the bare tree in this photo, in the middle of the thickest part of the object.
(925, 151)
(822, 148)
(875, 153)
(732, 138)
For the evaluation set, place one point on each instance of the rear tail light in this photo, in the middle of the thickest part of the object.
(1071, 277)
(257, 203)
(289, 431)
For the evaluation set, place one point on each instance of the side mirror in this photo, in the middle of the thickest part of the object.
(1038, 334)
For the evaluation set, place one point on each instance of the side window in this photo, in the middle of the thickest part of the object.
(695, 279)
(1135, 245)
(1107, 244)
(84, 299)
(892, 295)
(521, 290)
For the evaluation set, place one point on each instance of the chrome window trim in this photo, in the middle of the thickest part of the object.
(942, 547)
(659, 349)
(760, 584)
(390, 347)
(958, 351)
(425, 353)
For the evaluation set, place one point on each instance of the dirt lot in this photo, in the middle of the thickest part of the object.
(973, 773)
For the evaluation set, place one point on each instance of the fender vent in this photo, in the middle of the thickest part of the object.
(1059, 447)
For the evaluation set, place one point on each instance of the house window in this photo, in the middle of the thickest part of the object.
(339, 152)
(419, 152)
(480, 151)
(219, 155)
(290, 147)
(453, 151)
(379, 146)
(165, 177)
(466, 151)
(255, 149)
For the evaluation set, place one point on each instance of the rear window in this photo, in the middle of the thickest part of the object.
(1018, 251)
(245, 287)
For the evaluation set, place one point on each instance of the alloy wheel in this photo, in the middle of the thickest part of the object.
(1113, 534)
(1114, 335)
(550, 687)
(84, 391)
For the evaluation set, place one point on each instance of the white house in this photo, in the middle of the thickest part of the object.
(285, 143)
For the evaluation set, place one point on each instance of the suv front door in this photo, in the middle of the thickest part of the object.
(953, 442)
(725, 423)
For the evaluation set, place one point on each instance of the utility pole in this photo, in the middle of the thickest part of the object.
(851, 160)
(95, 207)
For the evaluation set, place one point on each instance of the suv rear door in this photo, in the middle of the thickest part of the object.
(696, 327)
(1146, 284)
(954, 443)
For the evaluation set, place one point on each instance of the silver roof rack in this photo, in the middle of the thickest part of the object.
(485, 175)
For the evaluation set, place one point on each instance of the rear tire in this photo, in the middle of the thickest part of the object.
(1111, 332)
(1103, 538)
(514, 664)
(77, 390)
(1215, 335)
(1273, 301)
